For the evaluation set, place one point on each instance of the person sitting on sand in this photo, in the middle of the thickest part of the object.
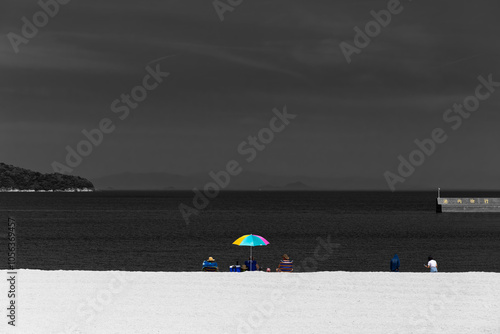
(432, 264)
(210, 265)
(252, 264)
(244, 268)
(286, 265)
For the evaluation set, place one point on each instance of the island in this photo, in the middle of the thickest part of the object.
(16, 179)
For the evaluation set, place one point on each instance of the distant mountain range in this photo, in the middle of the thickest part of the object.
(15, 178)
(247, 180)
(290, 186)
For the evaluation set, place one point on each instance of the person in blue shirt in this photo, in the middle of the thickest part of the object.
(252, 264)
(210, 265)
(395, 263)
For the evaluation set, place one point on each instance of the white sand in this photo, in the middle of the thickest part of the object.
(196, 302)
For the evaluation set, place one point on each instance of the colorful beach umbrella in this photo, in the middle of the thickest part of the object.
(251, 240)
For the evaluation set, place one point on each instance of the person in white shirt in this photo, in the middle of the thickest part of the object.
(432, 264)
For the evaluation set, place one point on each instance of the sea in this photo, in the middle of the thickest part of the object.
(319, 230)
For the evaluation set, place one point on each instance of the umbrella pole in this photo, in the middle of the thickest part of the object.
(251, 258)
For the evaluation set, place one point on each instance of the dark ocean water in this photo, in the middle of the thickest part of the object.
(144, 231)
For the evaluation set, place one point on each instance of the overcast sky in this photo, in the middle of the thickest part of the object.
(353, 120)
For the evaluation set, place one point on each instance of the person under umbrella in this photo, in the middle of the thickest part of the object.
(251, 240)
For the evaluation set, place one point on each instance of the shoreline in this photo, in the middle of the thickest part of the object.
(254, 272)
(46, 191)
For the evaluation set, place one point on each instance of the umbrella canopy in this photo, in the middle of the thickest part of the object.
(251, 240)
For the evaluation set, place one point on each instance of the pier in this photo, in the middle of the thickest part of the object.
(467, 204)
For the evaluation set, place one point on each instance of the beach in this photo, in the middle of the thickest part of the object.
(252, 302)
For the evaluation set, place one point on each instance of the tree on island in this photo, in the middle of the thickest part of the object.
(12, 177)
